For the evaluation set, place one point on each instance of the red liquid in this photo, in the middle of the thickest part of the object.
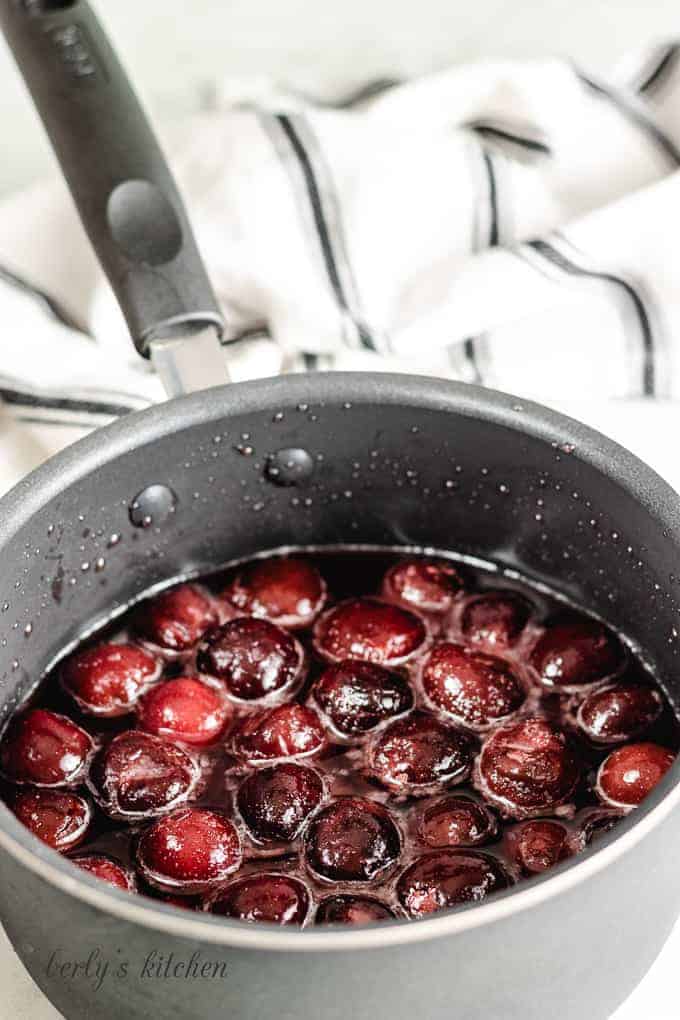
(313, 789)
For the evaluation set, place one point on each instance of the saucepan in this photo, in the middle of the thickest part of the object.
(368, 460)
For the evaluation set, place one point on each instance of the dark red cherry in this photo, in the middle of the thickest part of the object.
(427, 585)
(474, 689)
(139, 775)
(357, 696)
(352, 840)
(185, 709)
(526, 768)
(57, 817)
(253, 658)
(595, 823)
(496, 619)
(192, 850)
(287, 731)
(371, 630)
(417, 754)
(538, 845)
(276, 802)
(628, 774)
(289, 592)
(108, 680)
(278, 899)
(176, 619)
(446, 878)
(352, 910)
(609, 715)
(45, 749)
(457, 821)
(573, 653)
(106, 869)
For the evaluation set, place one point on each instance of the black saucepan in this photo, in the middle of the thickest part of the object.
(377, 460)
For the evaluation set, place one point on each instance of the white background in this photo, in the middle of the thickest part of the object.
(175, 49)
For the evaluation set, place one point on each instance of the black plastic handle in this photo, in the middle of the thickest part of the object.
(125, 194)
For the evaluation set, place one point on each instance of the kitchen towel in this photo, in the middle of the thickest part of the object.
(506, 223)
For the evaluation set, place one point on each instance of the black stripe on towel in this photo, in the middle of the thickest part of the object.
(507, 134)
(50, 304)
(664, 64)
(558, 259)
(28, 399)
(331, 242)
(635, 111)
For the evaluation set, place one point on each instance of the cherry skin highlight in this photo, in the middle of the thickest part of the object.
(45, 749)
(277, 899)
(176, 619)
(59, 818)
(288, 731)
(526, 768)
(574, 653)
(617, 712)
(139, 775)
(457, 821)
(107, 870)
(109, 679)
(350, 910)
(417, 754)
(538, 845)
(473, 689)
(253, 658)
(448, 878)
(289, 592)
(192, 850)
(495, 620)
(184, 709)
(429, 586)
(630, 773)
(352, 840)
(276, 802)
(357, 696)
(371, 630)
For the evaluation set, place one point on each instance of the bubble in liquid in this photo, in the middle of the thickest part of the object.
(153, 505)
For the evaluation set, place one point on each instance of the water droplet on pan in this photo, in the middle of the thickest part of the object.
(152, 505)
(291, 466)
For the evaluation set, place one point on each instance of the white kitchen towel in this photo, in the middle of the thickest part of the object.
(507, 223)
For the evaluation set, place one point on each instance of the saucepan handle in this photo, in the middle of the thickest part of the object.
(114, 166)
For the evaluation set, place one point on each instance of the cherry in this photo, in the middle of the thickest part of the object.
(573, 653)
(618, 712)
(254, 658)
(474, 689)
(495, 619)
(108, 680)
(278, 899)
(45, 749)
(276, 802)
(352, 840)
(446, 878)
(457, 821)
(57, 817)
(628, 774)
(357, 696)
(366, 628)
(176, 619)
(139, 775)
(184, 709)
(538, 845)
(352, 910)
(289, 592)
(287, 731)
(106, 869)
(417, 754)
(596, 823)
(526, 768)
(193, 850)
(427, 585)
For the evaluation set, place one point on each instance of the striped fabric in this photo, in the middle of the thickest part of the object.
(511, 224)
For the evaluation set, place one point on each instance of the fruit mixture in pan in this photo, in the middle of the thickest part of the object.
(338, 738)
